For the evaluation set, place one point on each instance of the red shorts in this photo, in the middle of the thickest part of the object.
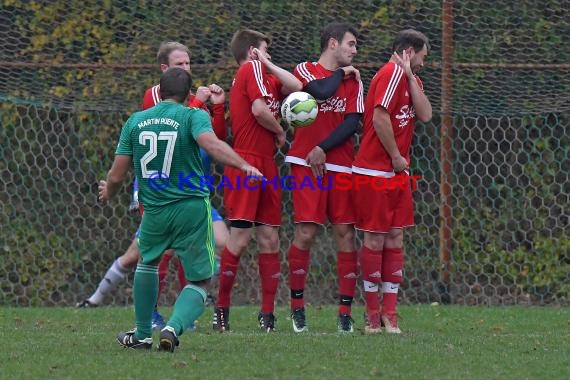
(381, 207)
(314, 201)
(253, 201)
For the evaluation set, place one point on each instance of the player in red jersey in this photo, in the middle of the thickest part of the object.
(394, 101)
(324, 152)
(255, 98)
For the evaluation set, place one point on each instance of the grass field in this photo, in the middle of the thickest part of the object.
(439, 342)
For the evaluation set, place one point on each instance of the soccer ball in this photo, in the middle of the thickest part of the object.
(299, 109)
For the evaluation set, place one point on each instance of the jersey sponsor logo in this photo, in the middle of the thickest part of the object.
(274, 105)
(334, 104)
(405, 116)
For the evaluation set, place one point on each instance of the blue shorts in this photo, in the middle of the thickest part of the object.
(216, 217)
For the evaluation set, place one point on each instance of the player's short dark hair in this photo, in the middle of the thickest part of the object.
(175, 84)
(410, 38)
(168, 47)
(336, 30)
(243, 39)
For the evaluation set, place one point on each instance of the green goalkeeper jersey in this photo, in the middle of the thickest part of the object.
(162, 143)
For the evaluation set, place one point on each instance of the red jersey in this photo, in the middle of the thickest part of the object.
(250, 83)
(348, 98)
(152, 97)
(390, 90)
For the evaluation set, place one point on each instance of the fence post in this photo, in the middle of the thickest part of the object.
(446, 154)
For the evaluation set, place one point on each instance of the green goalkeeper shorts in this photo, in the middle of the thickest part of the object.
(185, 226)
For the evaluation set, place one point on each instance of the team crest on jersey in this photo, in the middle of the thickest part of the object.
(334, 104)
(406, 114)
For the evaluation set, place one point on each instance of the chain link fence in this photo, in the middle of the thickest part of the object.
(495, 155)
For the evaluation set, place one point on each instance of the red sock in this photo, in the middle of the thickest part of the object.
(372, 302)
(181, 276)
(228, 269)
(346, 269)
(163, 270)
(392, 275)
(270, 272)
(371, 267)
(298, 267)
(389, 302)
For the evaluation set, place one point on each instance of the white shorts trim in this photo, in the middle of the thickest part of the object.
(330, 167)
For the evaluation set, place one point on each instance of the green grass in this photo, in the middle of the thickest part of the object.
(439, 342)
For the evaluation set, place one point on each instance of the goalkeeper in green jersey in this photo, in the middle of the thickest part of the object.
(163, 144)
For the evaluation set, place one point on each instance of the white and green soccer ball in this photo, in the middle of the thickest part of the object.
(299, 109)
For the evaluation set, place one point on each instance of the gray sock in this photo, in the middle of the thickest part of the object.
(114, 276)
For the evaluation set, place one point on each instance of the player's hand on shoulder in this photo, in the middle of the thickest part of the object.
(203, 93)
(103, 194)
(351, 72)
(218, 95)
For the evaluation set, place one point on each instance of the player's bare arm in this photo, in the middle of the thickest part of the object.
(289, 81)
(265, 118)
(224, 154)
(115, 177)
(383, 128)
(421, 103)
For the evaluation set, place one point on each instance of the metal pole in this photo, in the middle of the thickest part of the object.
(446, 156)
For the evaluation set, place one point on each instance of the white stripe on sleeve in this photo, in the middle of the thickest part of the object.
(259, 77)
(305, 73)
(392, 85)
(155, 94)
(360, 98)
